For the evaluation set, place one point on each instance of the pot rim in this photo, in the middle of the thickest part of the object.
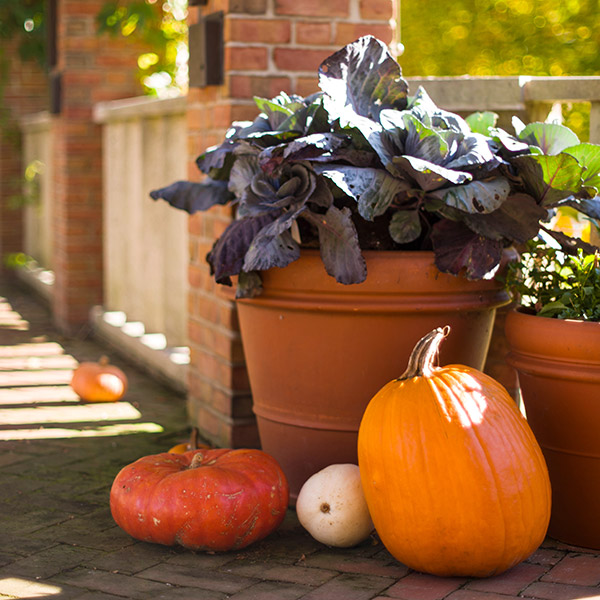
(527, 313)
(547, 344)
(417, 284)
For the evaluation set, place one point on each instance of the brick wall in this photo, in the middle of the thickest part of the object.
(270, 46)
(23, 90)
(93, 68)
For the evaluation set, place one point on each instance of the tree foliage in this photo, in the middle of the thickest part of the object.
(159, 26)
(24, 20)
(501, 37)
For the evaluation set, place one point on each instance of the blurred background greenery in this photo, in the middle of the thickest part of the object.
(500, 37)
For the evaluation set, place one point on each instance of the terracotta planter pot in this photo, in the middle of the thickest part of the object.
(558, 362)
(317, 351)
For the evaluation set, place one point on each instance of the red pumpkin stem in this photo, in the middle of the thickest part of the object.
(196, 460)
(423, 359)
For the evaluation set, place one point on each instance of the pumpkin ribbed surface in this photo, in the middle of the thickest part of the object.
(454, 479)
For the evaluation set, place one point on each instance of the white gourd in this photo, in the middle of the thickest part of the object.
(331, 506)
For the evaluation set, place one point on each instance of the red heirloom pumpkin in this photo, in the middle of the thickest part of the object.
(99, 381)
(216, 499)
(454, 479)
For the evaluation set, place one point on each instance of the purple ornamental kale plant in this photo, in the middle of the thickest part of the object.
(364, 165)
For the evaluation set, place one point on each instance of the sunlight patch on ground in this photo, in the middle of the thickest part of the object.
(40, 394)
(81, 413)
(17, 587)
(10, 319)
(54, 433)
(37, 401)
(38, 349)
(42, 377)
(33, 363)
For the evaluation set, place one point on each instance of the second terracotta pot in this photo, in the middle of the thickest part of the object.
(317, 351)
(558, 362)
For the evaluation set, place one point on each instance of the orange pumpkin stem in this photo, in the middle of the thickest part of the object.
(194, 439)
(103, 360)
(423, 358)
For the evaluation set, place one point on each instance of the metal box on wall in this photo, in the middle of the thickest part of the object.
(206, 47)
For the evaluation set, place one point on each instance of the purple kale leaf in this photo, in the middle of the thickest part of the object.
(362, 79)
(338, 240)
(459, 250)
(192, 197)
(227, 255)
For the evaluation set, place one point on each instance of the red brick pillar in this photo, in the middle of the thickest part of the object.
(270, 46)
(92, 68)
(23, 90)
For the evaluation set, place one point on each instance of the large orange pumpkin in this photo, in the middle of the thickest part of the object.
(99, 381)
(454, 479)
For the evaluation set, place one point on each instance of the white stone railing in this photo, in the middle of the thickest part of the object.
(530, 98)
(37, 197)
(145, 242)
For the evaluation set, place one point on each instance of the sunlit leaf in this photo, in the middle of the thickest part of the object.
(551, 138)
(482, 122)
(361, 79)
(374, 189)
(476, 196)
(429, 176)
(588, 155)
(550, 179)
(517, 219)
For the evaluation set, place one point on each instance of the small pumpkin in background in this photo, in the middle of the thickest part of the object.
(214, 499)
(331, 506)
(454, 478)
(191, 444)
(99, 381)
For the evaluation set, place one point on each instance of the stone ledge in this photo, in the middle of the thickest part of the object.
(38, 279)
(129, 339)
(138, 107)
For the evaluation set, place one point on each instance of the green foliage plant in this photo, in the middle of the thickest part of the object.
(554, 284)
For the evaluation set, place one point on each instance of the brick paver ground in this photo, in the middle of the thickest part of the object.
(58, 541)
